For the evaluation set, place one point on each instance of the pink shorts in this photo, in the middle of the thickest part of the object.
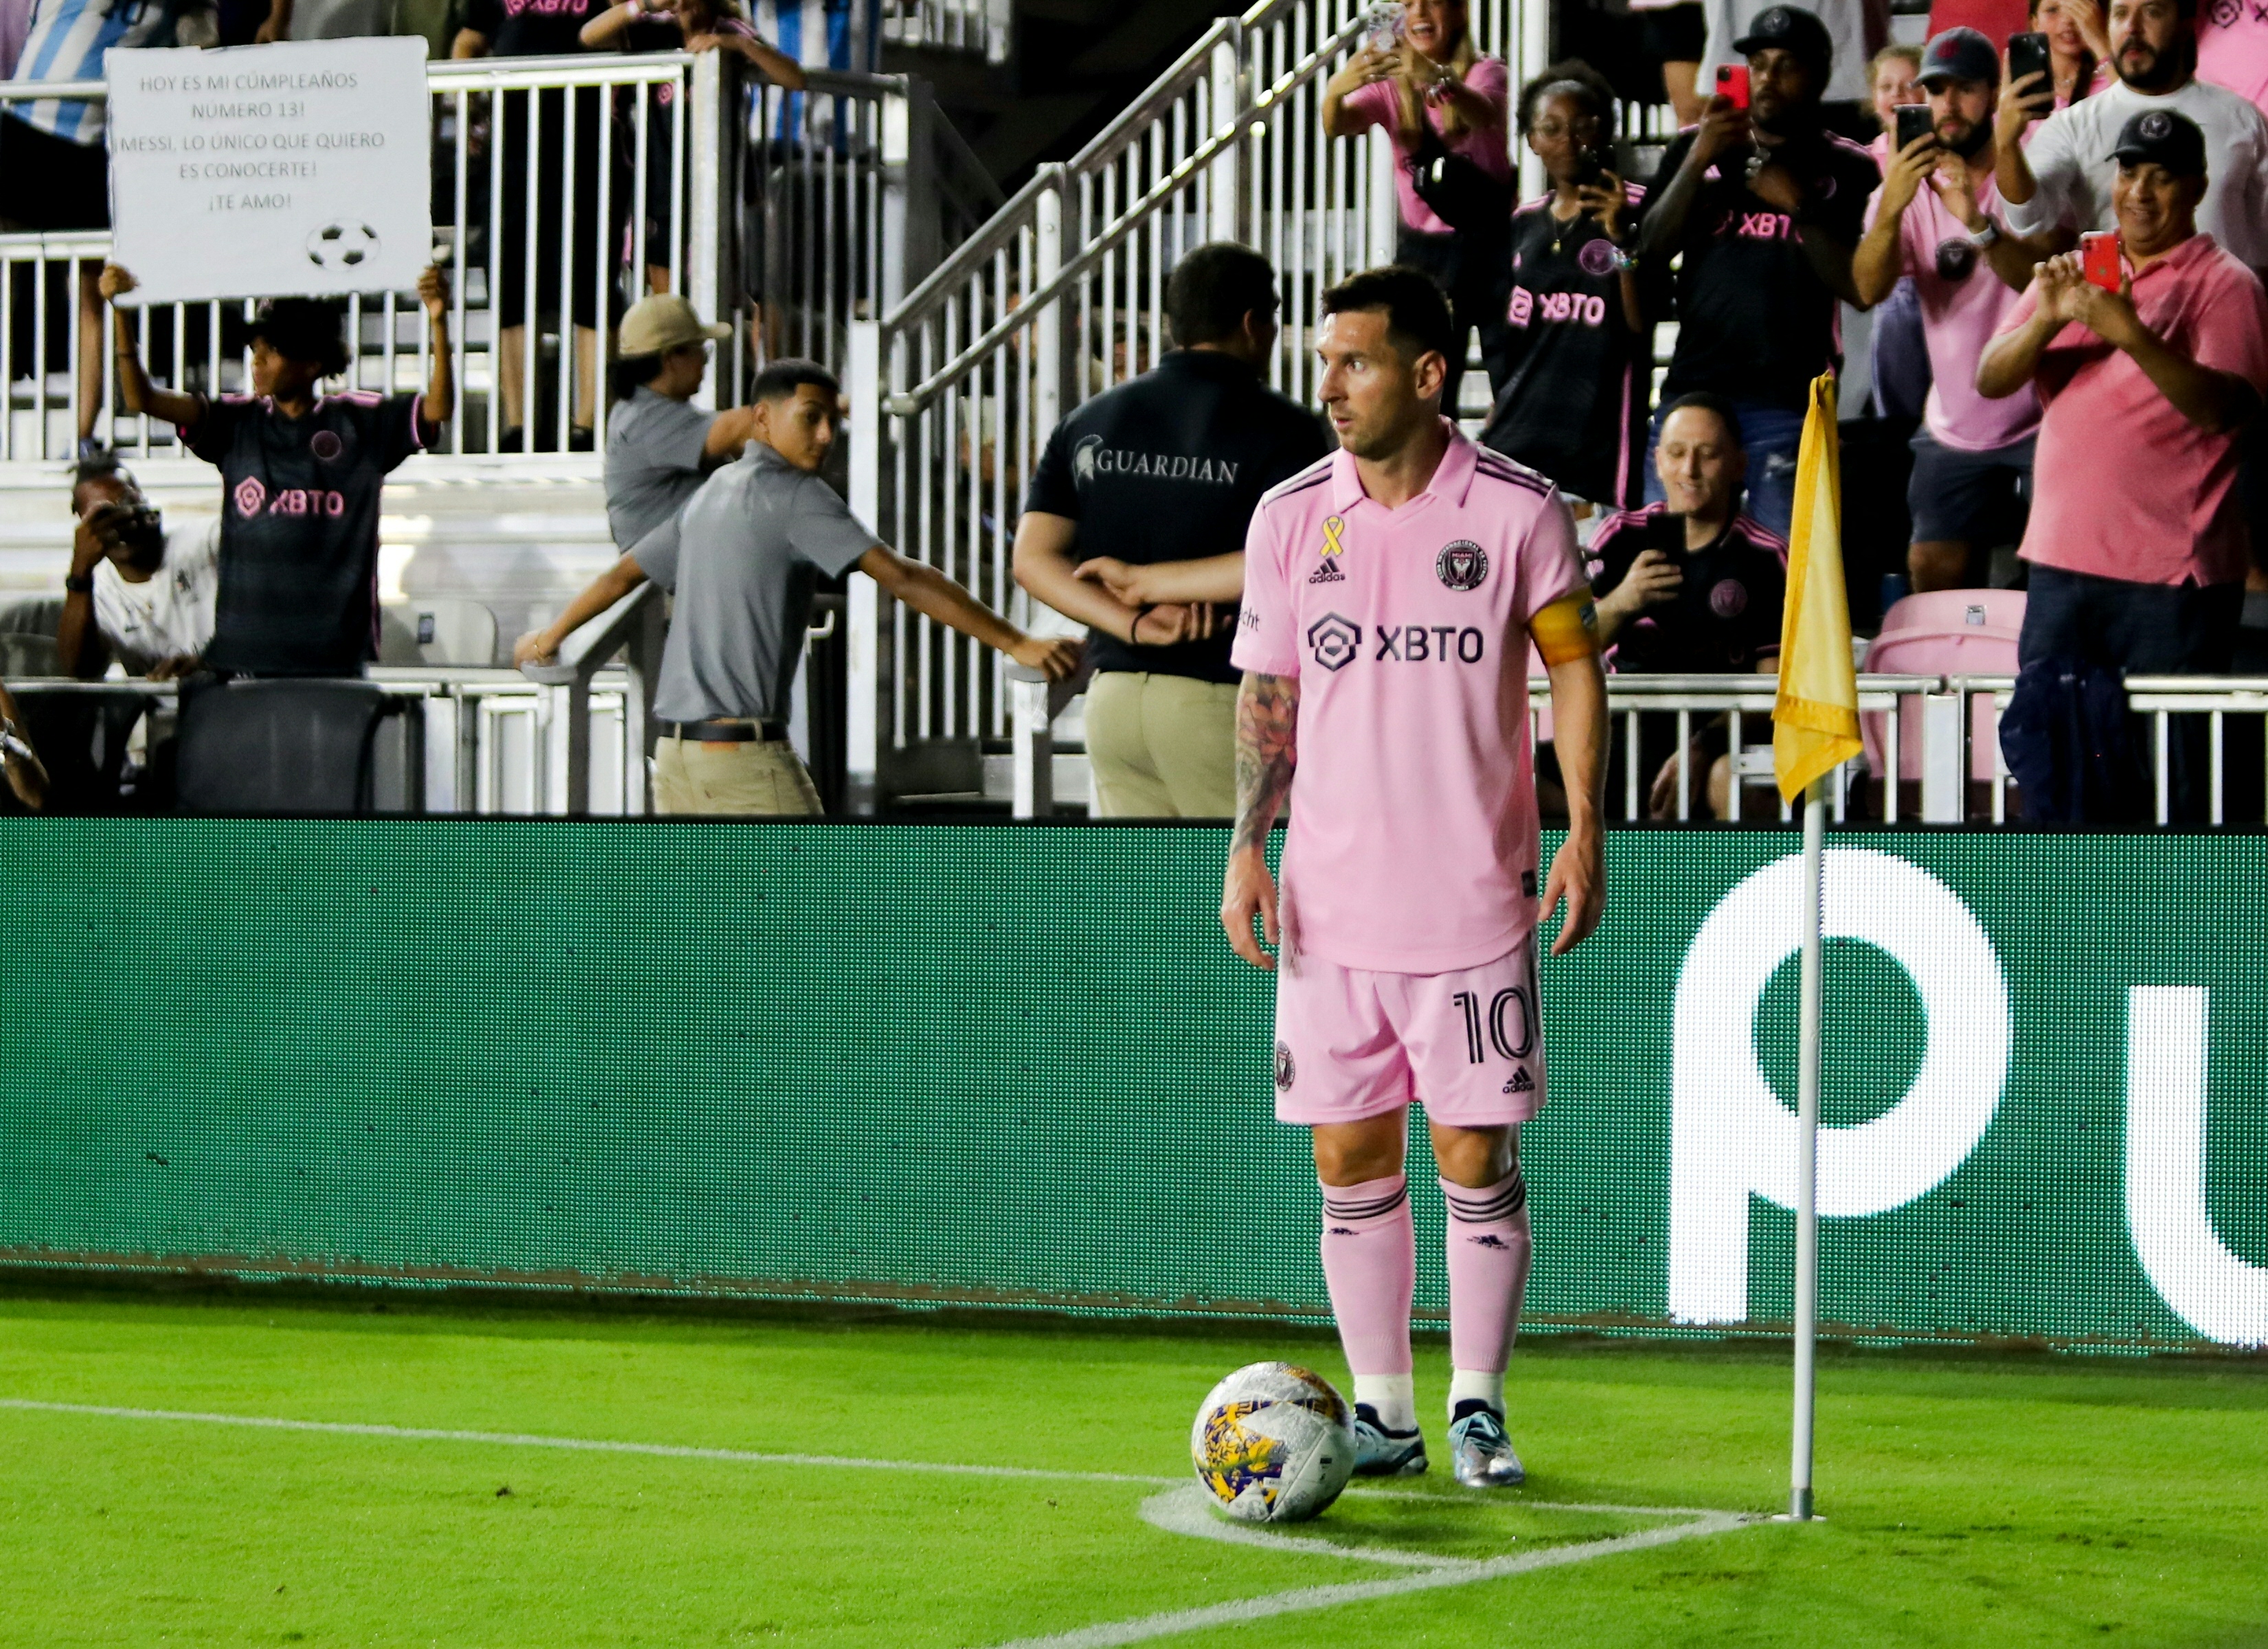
(1468, 1046)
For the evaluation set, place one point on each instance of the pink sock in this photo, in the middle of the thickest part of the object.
(1489, 1250)
(1370, 1260)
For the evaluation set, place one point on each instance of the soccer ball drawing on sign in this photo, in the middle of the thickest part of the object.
(1273, 1443)
(341, 246)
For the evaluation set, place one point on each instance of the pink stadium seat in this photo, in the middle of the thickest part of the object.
(1945, 632)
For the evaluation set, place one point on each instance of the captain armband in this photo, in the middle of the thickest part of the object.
(1566, 630)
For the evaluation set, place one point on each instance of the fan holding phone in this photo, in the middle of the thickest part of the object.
(2138, 540)
(1935, 220)
(1761, 206)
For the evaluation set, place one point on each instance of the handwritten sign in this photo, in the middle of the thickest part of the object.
(300, 169)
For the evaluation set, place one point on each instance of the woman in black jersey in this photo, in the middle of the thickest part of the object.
(1574, 407)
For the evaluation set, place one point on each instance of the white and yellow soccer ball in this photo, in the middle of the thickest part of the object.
(1274, 1443)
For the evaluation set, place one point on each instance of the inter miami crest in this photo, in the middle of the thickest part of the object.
(1463, 565)
(1286, 1072)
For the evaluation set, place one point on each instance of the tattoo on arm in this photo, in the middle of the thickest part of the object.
(1267, 728)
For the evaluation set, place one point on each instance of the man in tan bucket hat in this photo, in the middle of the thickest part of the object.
(660, 446)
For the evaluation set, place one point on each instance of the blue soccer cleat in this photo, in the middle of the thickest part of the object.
(1480, 1452)
(1379, 1452)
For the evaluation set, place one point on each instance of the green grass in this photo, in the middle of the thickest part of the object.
(1968, 1501)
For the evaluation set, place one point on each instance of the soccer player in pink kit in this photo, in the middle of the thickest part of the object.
(1390, 593)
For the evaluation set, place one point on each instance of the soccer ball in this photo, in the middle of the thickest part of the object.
(341, 246)
(1273, 1443)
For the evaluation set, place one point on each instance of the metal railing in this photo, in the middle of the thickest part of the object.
(1934, 754)
(982, 28)
(494, 740)
(1061, 296)
(564, 188)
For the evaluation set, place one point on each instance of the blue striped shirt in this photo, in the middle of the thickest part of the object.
(68, 41)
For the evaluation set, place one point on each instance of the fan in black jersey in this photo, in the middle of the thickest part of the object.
(301, 474)
(1575, 404)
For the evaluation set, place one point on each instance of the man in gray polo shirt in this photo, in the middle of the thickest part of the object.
(743, 557)
(660, 446)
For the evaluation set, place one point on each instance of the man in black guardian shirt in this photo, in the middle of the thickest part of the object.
(301, 473)
(1134, 524)
(1767, 207)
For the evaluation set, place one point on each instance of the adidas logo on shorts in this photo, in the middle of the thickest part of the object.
(1520, 1083)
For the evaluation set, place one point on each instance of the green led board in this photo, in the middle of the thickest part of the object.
(1018, 1067)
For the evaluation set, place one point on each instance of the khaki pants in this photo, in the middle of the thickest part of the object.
(759, 781)
(1161, 747)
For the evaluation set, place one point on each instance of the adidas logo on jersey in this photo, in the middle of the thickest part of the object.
(1327, 571)
(1520, 1083)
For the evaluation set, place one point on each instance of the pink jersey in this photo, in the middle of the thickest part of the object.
(1412, 846)
(1380, 104)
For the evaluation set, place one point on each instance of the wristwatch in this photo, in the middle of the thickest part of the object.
(80, 583)
(1984, 237)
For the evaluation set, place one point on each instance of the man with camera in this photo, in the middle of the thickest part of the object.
(2149, 363)
(1764, 205)
(1937, 217)
(136, 592)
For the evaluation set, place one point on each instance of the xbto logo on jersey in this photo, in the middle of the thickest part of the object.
(1463, 565)
(1335, 641)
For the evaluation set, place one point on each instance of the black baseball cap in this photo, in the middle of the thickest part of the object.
(2162, 138)
(1790, 29)
(1959, 54)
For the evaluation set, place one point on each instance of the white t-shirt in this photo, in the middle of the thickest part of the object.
(2070, 155)
(1846, 29)
(171, 613)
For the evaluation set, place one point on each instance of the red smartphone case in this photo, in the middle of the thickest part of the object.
(1732, 82)
(2099, 260)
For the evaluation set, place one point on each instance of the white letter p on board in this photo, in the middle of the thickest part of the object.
(1729, 1135)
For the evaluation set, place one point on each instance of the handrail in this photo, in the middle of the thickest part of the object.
(1124, 129)
(594, 641)
(1265, 106)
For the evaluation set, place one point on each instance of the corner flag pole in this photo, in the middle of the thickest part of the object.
(1806, 1156)
(1815, 731)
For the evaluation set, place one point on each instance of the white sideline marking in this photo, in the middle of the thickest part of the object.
(585, 1445)
(1185, 1511)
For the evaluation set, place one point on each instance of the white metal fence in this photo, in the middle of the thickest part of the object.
(980, 28)
(563, 189)
(1938, 735)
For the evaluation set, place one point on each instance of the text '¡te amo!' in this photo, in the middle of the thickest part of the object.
(247, 143)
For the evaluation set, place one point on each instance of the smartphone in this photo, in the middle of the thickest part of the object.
(2027, 54)
(1666, 533)
(1914, 121)
(2099, 259)
(1590, 167)
(1733, 82)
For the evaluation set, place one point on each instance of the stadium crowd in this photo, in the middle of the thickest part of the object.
(2059, 230)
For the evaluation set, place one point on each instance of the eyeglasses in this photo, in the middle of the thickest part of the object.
(1559, 129)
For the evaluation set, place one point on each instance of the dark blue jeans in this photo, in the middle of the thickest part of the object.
(1773, 436)
(2141, 629)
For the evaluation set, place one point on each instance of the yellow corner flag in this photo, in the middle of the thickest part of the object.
(1815, 718)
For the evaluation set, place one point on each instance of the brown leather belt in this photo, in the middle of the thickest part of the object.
(736, 731)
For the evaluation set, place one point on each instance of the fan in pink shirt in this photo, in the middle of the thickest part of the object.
(1391, 593)
(1424, 85)
(1936, 221)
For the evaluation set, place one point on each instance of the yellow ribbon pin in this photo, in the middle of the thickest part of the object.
(1333, 525)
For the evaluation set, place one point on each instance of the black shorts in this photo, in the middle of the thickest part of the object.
(564, 188)
(1673, 34)
(49, 183)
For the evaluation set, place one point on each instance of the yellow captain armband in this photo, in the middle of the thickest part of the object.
(1566, 630)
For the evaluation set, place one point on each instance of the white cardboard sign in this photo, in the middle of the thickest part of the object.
(300, 169)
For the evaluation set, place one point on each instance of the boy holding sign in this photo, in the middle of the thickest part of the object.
(301, 473)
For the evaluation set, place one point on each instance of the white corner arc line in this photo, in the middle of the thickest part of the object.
(1446, 1572)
